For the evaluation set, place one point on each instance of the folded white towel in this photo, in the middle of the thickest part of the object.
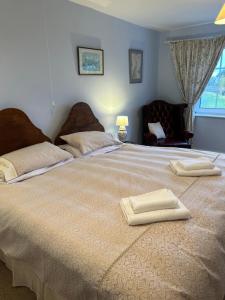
(196, 163)
(179, 171)
(181, 212)
(160, 199)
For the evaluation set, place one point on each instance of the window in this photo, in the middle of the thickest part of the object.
(212, 101)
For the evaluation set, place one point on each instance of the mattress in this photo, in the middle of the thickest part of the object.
(63, 232)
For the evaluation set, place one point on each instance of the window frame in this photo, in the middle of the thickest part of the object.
(214, 112)
(220, 112)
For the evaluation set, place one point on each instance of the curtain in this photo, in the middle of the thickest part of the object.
(195, 61)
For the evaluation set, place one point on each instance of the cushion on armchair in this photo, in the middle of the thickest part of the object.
(157, 130)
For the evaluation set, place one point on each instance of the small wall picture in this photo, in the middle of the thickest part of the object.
(90, 61)
(135, 65)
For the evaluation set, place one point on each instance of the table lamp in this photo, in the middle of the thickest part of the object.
(122, 122)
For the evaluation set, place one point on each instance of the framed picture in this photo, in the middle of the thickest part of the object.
(135, 65)
(90, 61)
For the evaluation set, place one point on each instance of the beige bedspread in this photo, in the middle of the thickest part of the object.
(67, 226)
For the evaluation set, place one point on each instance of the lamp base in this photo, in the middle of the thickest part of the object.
(122, 135)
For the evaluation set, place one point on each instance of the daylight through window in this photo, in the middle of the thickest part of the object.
(212, 100)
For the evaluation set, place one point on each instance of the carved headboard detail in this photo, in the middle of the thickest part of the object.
(81, 118)
(17, 131)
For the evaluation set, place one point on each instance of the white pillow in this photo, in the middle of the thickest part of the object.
(157, 130)
(74, 151)
(36, 172)
(89, 141)
(19, 162)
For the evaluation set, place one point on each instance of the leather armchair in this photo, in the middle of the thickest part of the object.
(171, 117)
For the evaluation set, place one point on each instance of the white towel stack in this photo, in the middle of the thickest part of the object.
(157, 206)
(201, 166)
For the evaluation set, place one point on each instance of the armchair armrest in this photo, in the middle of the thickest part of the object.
(188, 135)
(150, 139)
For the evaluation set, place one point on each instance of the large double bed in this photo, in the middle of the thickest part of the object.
(64, 236)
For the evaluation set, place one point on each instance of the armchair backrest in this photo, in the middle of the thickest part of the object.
(171, 117)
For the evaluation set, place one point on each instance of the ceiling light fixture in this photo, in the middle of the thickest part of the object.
(220, 20)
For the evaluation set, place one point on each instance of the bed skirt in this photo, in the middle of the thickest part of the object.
(23, 275)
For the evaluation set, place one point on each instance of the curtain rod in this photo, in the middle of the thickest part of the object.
(192, 39)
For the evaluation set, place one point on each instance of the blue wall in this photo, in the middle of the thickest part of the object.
(38, 73)
(209, 132)
(38, 40)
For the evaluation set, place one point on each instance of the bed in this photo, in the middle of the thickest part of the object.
(63, 234)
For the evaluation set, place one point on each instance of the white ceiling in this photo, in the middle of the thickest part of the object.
(159, 14)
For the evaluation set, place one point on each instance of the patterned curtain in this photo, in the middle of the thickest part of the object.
(195, 61)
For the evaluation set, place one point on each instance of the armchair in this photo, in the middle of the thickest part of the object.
(171, 117)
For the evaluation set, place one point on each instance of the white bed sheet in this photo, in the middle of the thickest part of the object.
(103, 150)
(64, 225)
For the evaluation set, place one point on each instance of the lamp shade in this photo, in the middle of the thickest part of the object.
(220, 20)
(122, 121)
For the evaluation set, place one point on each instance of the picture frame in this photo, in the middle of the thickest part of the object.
(90, 61)
(136, 65)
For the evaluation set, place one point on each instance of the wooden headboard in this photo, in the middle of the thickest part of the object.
(17, 131)
(81, 118)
